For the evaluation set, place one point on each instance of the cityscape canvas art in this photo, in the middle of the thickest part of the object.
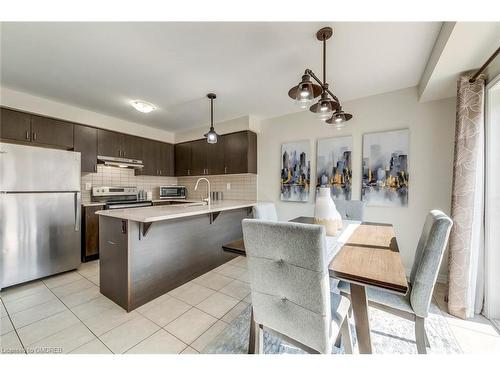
(295, 171)
(333, 166)
(385, 168)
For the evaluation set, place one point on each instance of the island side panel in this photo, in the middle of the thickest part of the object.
(113, 263)
(174, 252)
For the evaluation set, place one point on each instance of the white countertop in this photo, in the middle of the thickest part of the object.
(168, 212)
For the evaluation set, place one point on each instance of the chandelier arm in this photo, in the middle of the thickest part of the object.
(326, 89)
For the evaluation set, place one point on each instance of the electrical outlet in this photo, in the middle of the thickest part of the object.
(228, 186)
(88, 186)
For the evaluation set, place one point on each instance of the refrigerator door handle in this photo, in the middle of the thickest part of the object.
(77, 211)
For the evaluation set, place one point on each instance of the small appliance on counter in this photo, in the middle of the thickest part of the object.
(120, 197)
(173, 192)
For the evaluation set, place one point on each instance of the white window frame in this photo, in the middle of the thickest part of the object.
(492, 247)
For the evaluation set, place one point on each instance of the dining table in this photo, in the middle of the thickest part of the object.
(364, 254)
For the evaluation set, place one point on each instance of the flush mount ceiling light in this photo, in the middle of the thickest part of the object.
(142, 106)
(211, 136)
(328, 107)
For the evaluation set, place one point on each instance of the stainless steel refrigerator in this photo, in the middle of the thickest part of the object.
(39, 212)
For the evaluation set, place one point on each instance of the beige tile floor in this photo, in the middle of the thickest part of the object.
(67, 314)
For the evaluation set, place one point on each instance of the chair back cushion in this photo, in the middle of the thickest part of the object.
(351, 210)
(289, 280)
(265, 211)
(428, 257)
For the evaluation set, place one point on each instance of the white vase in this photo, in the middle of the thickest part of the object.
(325, 212)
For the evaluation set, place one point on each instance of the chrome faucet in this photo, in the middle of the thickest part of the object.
(207, 199)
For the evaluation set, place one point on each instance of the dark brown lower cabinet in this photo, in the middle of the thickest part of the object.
(90, 233)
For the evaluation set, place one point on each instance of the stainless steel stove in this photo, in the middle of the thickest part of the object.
(118, 197)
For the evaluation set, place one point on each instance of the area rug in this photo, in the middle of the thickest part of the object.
(390, 335)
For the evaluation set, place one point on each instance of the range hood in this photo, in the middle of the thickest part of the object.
(120, 162)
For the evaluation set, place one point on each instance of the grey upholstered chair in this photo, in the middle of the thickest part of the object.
(415, 305)
(290, 286)
(265, 211)
(351, 210)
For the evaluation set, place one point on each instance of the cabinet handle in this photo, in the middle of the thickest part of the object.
(95, 168)
(34, 136)
(27, 134)
(225, 169)
(160, 172)
(189, 172)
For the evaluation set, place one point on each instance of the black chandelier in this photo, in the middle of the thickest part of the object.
(328, 107)
(211, 136)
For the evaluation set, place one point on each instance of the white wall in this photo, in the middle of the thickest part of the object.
(431, 127)
(43, 106)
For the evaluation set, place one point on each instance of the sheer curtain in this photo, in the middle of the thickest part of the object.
(466, 255)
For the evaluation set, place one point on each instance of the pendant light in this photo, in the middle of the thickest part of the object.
(211, 136)
(328, 107)
(339, 118)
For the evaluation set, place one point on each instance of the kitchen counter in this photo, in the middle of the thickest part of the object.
(147, 251)
(90, 204)
(168, 212)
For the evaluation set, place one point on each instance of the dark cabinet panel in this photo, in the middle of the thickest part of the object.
(85, 142)
(235, 146)
(167, 159)
(109, 143)
(199, 157)
(183, 159)
(131, 147)
(90, 233)
(48, 131)
(215, 157)
(150, 158)
(15, 125)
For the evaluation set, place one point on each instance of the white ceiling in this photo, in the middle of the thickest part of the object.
(251, 66)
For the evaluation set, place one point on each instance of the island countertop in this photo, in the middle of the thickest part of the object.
(168, 212)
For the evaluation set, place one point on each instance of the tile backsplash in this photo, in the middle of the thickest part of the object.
(113, 176)
(242, 186)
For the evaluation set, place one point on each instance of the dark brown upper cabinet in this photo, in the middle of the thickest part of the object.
(158, 158)
(167, 159)
(150, 158)
(199, 157)
(215, 157)
(183, 159)
(49, 131)
(240, 152)
(233, 153)
(15, 125)
(85, 142)
(118, 145)
(131, 147)
(109, 143)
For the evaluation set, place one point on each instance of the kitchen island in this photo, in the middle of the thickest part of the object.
(146, 252)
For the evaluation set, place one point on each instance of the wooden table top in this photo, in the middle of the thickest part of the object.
(369, 257)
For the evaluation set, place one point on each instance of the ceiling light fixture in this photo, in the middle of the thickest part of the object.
(328, 107)
(142, 106)
(211, 136)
